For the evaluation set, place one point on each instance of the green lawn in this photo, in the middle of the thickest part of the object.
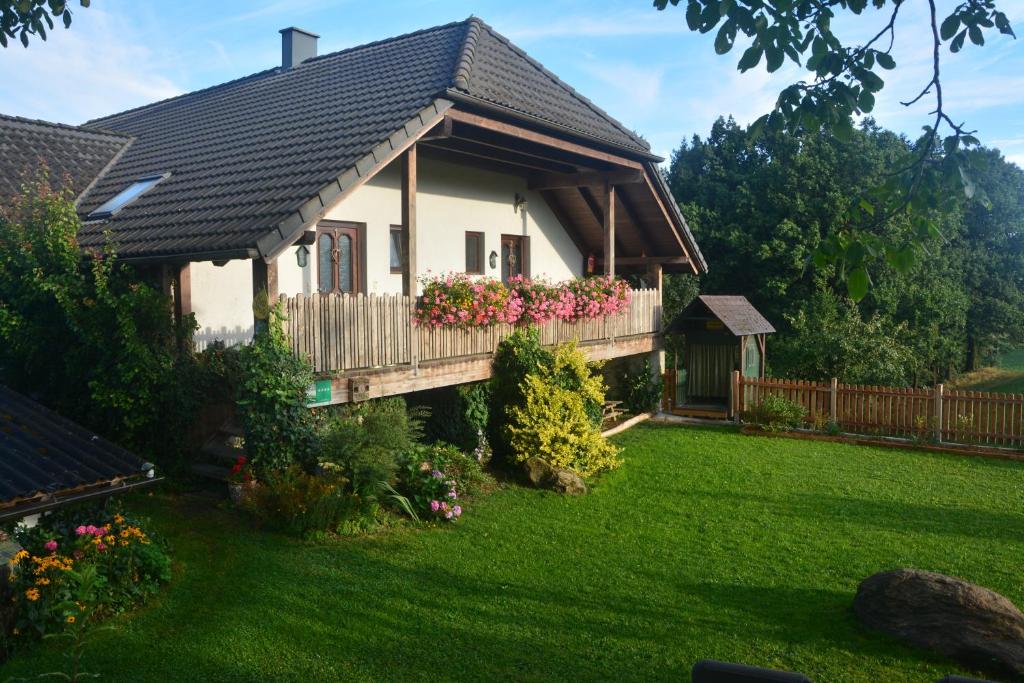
(705, 543)
(1007, 375)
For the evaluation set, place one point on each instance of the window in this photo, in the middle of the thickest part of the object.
(475, 253)
(395, 248)
(338, 257)
(127, 196)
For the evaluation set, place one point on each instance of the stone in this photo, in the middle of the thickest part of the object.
(968, 623)
(543, 475)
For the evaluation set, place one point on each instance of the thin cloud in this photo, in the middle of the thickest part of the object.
(588, 26)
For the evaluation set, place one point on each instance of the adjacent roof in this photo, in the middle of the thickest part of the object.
(735, 312)
(249, 160)
(43, 454)
(76, 154)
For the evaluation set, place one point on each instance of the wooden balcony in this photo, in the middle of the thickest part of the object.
(367, 347)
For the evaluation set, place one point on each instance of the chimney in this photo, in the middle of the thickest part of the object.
(296, 46)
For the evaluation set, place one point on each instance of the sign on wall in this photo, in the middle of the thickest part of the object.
(319, 393)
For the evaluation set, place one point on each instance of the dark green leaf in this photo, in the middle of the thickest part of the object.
(977, 37)
(958, 42)
(751, 57)
(857, 282)
(726, 36)
(775, 57)
(949, 26)
(885, 60)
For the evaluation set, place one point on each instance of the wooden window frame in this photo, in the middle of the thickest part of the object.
(401, 256)
(481, 251)
(335, 229)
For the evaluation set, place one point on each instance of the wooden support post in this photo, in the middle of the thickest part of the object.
(182, 292)
(264, 282)
(736, 399)
(609, 229)
(409, 222)
(833, 403)
(409, 268)
(939, 390)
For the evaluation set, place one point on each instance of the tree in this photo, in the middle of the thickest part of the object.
(23, 18)
(844, 81)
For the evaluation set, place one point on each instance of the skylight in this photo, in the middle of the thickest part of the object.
(127, 196)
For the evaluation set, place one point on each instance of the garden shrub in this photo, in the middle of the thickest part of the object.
(776, 414)
(642, 391)
(272, 401)
(458, 414)
(429, 481)
(366, 440)
(88, 337)
(516, 356)
(299, 503)
(130, 565)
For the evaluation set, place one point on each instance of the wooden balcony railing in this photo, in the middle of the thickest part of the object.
(340, 332)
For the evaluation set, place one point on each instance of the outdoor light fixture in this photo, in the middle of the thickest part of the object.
(519, 203)
(302, 256)
(493, 258)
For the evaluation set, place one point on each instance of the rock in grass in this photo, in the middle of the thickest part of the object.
(544, 475)
(971, 624)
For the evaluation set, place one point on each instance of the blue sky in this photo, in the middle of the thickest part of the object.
(641, 65)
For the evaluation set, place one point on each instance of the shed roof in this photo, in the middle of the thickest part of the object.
(44, 455)
(77, 154)
(253, 159)
(737, 314)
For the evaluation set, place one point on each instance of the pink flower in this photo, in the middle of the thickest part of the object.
(449, 515)
(101, 547)
(457, 511)
(90, 530)
(80, 531)
(434, 505)
(50, 545)
(451, 494)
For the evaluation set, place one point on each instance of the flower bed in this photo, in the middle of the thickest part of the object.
(459, 300)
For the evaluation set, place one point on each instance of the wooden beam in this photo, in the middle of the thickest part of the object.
(552, 163)
(609, 229)
(541, 138)
(562, 217)
(671, 222)
(638, 227)
(529, 163)
(264, 279)
(409, 222)
(183, 292)
(650, 260)
(441, 131)
(596, 209)
(557, 181)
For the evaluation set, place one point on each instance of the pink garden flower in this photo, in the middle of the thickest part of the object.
(434, 505)
(457, 511)
(81, 531)
(51, 545)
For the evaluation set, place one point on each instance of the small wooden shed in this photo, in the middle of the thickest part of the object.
(715, 336)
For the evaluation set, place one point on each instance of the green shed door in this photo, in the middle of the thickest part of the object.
(751, 358)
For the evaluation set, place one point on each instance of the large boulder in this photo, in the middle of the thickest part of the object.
(544, 475)
(960, 620)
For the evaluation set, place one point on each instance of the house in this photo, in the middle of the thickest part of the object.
(354, 173)
(47, 461)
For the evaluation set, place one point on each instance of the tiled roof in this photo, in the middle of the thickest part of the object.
(737, 314)
(42, 453)
(250, 158)
(71, 152)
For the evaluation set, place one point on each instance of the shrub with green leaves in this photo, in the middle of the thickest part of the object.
(299, 503)
(272, 401)
(516, 356)
(642, 391)
(776, 414)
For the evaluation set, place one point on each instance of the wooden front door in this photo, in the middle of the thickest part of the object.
(338, 257)
(513, 257)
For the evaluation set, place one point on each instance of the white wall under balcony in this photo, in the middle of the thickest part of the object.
(222, 302)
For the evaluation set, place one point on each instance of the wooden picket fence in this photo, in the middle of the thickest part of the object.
(339, 332)
(933, 414)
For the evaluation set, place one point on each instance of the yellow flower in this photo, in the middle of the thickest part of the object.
(32, 594)
(118, 519)
(110, 538)
(71, 618)
(124, 543)
(42, 581)
(19, 556)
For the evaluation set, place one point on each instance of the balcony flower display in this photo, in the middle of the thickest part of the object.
(459, 300)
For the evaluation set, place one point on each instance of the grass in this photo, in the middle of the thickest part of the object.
(1007, 375)
(705, 543)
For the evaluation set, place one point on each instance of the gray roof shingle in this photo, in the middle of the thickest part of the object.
(43, 453)
(244, 157)
(736, 313)
(72, 153)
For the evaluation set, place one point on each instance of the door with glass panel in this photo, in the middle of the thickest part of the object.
(513, 257)
(338, 257)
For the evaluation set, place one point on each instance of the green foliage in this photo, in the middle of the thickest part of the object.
(516, 356)
(776, 414)
(299, 503)
(367, 440)
(844, 82)
(130, 566)
(458, 414)
(642, 390)
(555, 420)
(23, 18)
(89, 339)
(466, 471)
(764, 207)
(272, 402)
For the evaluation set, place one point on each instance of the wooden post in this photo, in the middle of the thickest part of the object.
(833, 403)
(736, 398)
(264, 280)
(938, 413)
(609, 229)
(409, 267)
(182, 292)
(409, 222)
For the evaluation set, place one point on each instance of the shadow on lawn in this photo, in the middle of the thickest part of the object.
(891, 515)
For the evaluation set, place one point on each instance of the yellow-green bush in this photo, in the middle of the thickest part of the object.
(553, 422)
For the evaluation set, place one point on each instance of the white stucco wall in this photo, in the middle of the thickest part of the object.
(451, 200)
(222, 302)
